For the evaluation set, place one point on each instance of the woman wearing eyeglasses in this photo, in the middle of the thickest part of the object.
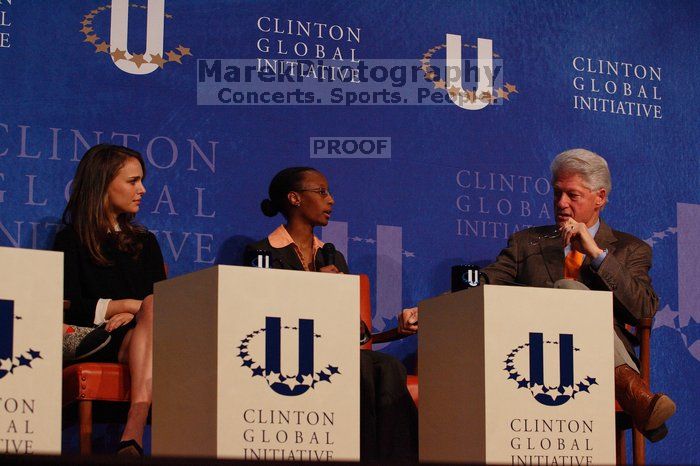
(388, 416)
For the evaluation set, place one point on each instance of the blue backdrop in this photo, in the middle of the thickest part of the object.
(453, 183)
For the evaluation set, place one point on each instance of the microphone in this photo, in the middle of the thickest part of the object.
(328, 251)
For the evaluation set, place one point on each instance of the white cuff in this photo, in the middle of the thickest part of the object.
(101, 310)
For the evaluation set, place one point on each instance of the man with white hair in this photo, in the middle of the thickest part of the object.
(582, 247)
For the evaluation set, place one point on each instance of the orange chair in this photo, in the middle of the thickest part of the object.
(623, 421)
(389, 335)
(86, 382)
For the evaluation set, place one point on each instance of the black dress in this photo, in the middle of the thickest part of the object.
(86, 282)
(388, 416)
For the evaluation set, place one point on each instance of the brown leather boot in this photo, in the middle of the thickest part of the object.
(648, 410)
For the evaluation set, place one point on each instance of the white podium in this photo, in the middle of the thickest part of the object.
(516, 375)
(257, 364)
(31, 314)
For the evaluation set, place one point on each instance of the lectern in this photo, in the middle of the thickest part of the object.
(517, 375)
(257, 364)
(31, 313)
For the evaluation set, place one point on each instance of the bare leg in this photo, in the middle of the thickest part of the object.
(137, 350)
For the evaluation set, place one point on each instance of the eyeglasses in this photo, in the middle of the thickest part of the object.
(554, 234)
(324, 192)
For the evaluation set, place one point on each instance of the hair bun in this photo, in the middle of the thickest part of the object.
(268, 208)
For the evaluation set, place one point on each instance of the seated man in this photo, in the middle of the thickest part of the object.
(582, 247)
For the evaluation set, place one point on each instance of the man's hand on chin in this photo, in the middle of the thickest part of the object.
(581, 240)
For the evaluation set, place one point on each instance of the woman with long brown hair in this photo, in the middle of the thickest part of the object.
(110, 266)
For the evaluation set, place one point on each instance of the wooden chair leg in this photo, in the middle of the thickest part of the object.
(638, 447)
(85, 421)
(620, 447)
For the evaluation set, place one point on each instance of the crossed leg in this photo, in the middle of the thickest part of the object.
(137, 351)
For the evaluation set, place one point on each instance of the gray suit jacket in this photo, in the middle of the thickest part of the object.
(529, 260)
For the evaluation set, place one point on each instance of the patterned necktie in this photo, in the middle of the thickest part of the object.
(572, 264)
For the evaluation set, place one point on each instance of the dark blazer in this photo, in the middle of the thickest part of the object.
(84, 282)
(535, 261)
(286, 257)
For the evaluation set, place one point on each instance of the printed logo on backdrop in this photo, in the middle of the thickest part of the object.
(15, 413)
(5, 24)
(676, 253)
(284, 383)
(153, 57)
(616, 87)
(389, 253)
(495, 205)
(50, 155)
(10, 362)
(486, 72)
(546, 393)
(553, 438)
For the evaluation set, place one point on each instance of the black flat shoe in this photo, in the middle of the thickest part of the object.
(130, 448)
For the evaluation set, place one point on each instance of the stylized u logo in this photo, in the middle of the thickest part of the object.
(273, 344)
(566, 366)
(7, 324)
(472, 277)
(453, 73)
(119, 33)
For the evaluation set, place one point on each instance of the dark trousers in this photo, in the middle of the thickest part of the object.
(388, 416)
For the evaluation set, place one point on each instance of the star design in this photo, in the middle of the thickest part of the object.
(291, 382)
(591, 381)
(257, 371)
(333, 369)
(24, 361)
(691, 332)
(666, 317)
(582, 387)
(172, 56)
(568, 390)
(183, 50)
(514, 376)
(425, 61)
(118, 55)
(409, 254)
(537, 389)
(356, 238)
(169, 16)
(86, 29)
(522, 383)
(242, 347)
(370, 241)
(511, 88)
(6, 365)
(471, 95)
(34, 354)
(158, 60)
(323, 377)
(501, 94)
(92, 38)
(672, 230)
(659, 234)
(509, 368)
(440, 84)
(242, 354)
(453, 91)
(137, 58)
(247, 363)
(307, 380)
(102, 48)
(85, 22)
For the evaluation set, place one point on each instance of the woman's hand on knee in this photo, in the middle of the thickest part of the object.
(118, 320)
